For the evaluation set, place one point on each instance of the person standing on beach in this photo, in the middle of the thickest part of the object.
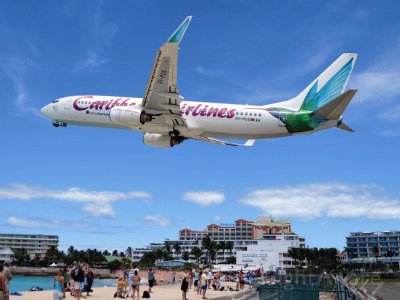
(185, 286)
(199, 283)
(204, 284)
(7, 276)
(59, 285)
(196, 279)
(90, 279)
(150, 277)
(191, 277)
(173, 277)
(131, 274)
(79, 278)
(2, 283)
(135, 284)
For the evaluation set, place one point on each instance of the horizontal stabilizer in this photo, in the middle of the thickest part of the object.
(345, 127)
(335, 108)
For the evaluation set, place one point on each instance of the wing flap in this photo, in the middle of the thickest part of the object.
(249, 143)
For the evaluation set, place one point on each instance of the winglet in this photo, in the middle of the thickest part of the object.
(178, 34)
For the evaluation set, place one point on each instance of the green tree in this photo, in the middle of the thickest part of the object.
(185, 256)
(114, 265)
(376, 252)
(129, 252)
(206, 244)
(36, 260)
(115, 253)
(167, 251)
(229, 246)
(222, 246)
(177, 249)
(21, 256)
(197, 253)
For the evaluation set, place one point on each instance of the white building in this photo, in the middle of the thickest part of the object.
(270, 254)
(6, 254)
(35, 244)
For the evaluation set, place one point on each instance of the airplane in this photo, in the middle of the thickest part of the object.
(166, 119)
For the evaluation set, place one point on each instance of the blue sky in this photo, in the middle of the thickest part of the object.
(103, 188)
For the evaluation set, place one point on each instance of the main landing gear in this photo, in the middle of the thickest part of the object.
(58, 124)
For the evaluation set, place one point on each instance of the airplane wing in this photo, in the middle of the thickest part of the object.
(162, 96)
(249, 143)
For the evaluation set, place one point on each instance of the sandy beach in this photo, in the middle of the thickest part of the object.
(162, 292)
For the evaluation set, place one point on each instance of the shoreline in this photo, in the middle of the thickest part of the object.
(160, 292)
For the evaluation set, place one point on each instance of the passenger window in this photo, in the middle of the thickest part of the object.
(241, 113)
(245, 114)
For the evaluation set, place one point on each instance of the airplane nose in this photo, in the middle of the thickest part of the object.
(45, 110)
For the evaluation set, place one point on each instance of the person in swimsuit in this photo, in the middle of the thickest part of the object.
(135, 284)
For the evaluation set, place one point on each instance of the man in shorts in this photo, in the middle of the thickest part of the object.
(150, 277)
(204, 283)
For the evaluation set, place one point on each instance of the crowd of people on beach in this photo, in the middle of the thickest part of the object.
(200, 281)
(77, 280)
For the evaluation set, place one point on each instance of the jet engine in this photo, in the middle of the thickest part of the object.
(161, 140)
(129, 116)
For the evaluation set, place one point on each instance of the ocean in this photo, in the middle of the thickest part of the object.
(25, 283)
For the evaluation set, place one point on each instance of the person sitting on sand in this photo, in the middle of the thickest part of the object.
(121, 288)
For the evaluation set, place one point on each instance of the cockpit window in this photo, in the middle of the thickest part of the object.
(55, 101)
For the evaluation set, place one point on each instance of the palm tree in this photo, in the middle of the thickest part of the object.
(167, 251)
(128, 251)
(222, 246)
(21, 255)
(185, 256)
(229, 246)
(206, 245)
(177, 249)
(197, 253)
(376, 252)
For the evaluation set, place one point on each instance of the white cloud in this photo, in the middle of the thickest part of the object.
(16, 67)
(90, 63)
(380, 81)
(157, 220)
(204, 198)
(98, 203)
(310, 201)
(16, 222)
(391, 133)
(19, 222)
(392, 114)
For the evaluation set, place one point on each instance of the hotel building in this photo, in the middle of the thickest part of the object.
(271, 237)
(33, 243)
(372, 246)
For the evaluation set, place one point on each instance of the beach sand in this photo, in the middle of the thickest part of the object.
(160, 292)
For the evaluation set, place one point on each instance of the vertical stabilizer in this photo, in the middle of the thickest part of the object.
(327, 86)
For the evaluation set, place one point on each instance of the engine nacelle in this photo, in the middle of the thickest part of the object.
(129, 116)
(161, 140)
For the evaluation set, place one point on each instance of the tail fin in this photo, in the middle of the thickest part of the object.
(327, 86)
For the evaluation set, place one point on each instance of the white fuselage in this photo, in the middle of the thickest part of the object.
(216, 120)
